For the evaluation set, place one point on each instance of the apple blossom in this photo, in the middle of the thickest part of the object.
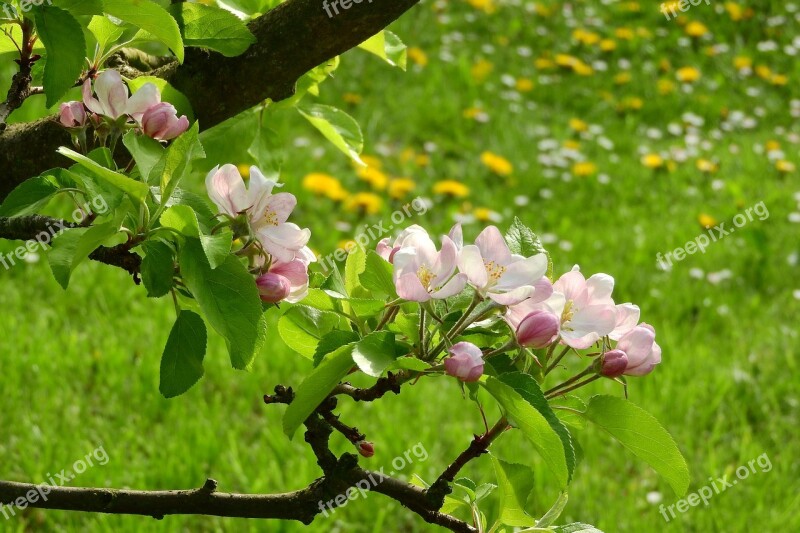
(266, 213)
(465, 362)
(422, 273)
(72, 114)
(284, 281)
(538, 329)
(627, 318)
(161, 122)
(641, 348)
(504, 277)
(613, 363)
(112, 97)
(386, 249)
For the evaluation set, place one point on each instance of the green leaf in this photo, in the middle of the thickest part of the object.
(528, 388)
(145, 151)
(66, 50)
(80, 7)
(522, 240)
(105, 31)
(29, 196)
(302, 328)
(168, 94)
(575, 528)
(337, 126)
(268, 146)
(410, 363)
(229, 299)
(150, 17)
(377, 276)
(353, 267)
(331, 341)
(638, 431)
(182, 219)
(375, 353)
(158, 268)
(73, 246)
(182, 361)
(554, 512)
(217, 247)
(176, 160)
(212, 28)
(514, 484)
(135, 189)
(387, 46)
(316, 387)
(533, 425)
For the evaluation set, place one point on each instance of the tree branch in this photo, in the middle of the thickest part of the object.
(292, 39)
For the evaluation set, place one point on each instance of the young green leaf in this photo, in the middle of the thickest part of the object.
(640, 432)
(145, 151)
(514, 484)
(533, 425)
(377, 276)
(28, 196)
(316, 387)
(80, 7)
(331, 341)
(522, 240)
(375, 353)
(387, 46)
(554, 512)
(105, 32)
(66, 48)
(158, 268)
(73, 246)
(229, 300)
(302, 328)
(176, 161)
(135, 189)
(182, 361)
(337, 126)
(150, 17)
(212, 28)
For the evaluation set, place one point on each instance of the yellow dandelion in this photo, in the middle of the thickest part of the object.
(707, 167)
(584, 169)
(582, 69)
(586, 37)
(734, 11)
(497, 164)
(418, 56)
(665, 87)
(763, 72)
(400, 187)
(626, 34)
(365, 202)
(785, 167)
(695, 29)
(484, 214)
(707, 221)
(688, 74)
(422, 160)
(472, 112)
(544, 63)
(487, 6)
(779, 79)
(772, 146)
(571, 144)
(453, 188)
(566, 60)
(481, 70)
(623, 78)
(372, 161)
(742, 62)
(664, 65)
(633, 103)
(524, 85)
(376, 179)
(578, 125)
(608, 45)
(653, 161)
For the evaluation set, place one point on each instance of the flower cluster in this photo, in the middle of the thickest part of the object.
(574, 312)
(108, 104)
(277, 248)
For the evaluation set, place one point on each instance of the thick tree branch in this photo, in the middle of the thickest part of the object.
(292, 39)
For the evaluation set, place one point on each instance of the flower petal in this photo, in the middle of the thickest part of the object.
(226, 189)
(146, 97)
(410, 288)
(493, 246)
(112, 93)
(471, 263)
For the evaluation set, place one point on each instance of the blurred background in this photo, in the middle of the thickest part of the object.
(614, 132)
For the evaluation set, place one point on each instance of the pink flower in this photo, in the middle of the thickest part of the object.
(640, 346)
(506, 278)
(538, 329)
(422, 273)
(266, 212)
(365, 448)
(112, 97)
(72, 114)
(284, 281)
(613, 363)
(465, 362)
(161, 122)
(627, 318)
(587, 311)
(386, 249)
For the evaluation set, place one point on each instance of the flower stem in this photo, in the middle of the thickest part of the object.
(557, 360)
(571, 380)
(572, 388)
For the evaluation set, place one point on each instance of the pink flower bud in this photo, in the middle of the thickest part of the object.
(161, 122)
(365, 448)
(465, 362)
(72, 115)
(273, 288)
(538, 329)
(386, 250)
(613, 364)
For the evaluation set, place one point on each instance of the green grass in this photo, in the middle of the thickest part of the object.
(80, 368)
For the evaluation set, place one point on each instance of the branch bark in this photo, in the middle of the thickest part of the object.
(292, 39)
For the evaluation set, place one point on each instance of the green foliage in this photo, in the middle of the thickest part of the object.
(514, 485)
(150, 17)
(158, 268)
(182, 361)
(387, 46)
(375, 353)
(337, 126)
(28, 197)
(63, 38)
(212, 28)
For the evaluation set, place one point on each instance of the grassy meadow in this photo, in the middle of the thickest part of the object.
(614, 133)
